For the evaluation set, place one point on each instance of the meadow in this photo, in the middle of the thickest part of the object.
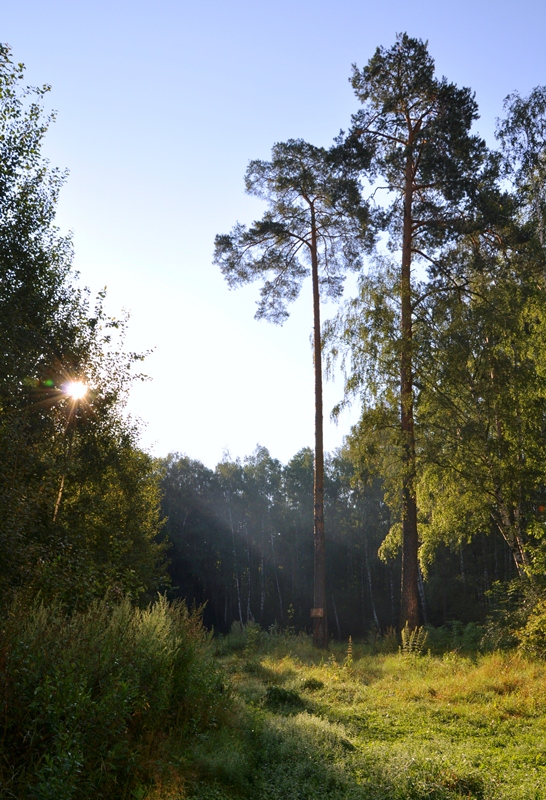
(121, 703)
(373, 722)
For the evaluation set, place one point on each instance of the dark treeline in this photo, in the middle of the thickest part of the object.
(242, 544)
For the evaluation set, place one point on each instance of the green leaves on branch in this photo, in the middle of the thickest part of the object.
(313, 200)
(418, 128)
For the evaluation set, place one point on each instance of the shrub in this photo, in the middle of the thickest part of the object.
(455, 637)
(532, 635)
(89, 700)
(312, 684)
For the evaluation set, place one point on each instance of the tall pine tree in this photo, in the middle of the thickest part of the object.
(429, 163)
(315, 223)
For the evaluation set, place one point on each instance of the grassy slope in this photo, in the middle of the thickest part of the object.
(376, 727)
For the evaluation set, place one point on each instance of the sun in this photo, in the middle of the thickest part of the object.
(76, 390)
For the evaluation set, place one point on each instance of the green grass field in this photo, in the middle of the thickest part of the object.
(383, 726)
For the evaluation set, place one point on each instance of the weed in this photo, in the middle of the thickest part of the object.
(378, 642)
(413, 641)
(312, 684)
(349, 656)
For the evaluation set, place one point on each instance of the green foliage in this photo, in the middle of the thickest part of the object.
(476, 322)
(283, 700)
(436, 177)
(312, 684)
(532, 636)
(79, 503)
(484, 447)
(93, 702)
(522, 137)
(315, 210)
(457, 638)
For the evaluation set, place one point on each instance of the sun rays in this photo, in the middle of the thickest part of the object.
(76, 390)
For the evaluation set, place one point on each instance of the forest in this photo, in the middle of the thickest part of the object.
(241, 544)
(264, 629)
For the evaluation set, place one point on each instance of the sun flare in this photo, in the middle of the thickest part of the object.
(76, 390)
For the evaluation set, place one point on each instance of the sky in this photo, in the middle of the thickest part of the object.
(160, 107)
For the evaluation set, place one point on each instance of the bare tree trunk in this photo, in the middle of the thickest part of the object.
(362, 593)
(370, 587)
(59, 498)
(485, 570)
(279, 594)
(496, 557)
(509, 525)
(263, 546)
(249, 615)
(421, 587)
(67, 455)
(320, 623)
(262, 590)
(235, 567)
(275, 567)
(335, 611)
(391, 587)
(409, 610)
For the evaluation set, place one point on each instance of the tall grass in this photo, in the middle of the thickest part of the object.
(123, 703)
(99, 704)
(375, 721)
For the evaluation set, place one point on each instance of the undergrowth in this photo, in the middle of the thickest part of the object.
(129, 704)
(104, 703)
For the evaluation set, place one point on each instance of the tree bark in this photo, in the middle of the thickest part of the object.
(320, 623)
(409, 608)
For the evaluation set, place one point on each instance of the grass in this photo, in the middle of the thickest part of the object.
(135, 704)
(383, 726)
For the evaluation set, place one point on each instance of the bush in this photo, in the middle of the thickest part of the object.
(455, 637)
(250, 639)
(511, 605)
(91, 702)
(532, 635)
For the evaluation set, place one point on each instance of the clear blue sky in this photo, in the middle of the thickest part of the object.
(160, 107)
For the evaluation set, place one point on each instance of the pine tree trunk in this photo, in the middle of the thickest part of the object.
(276, 568)
(409, 610)
(320, 624)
